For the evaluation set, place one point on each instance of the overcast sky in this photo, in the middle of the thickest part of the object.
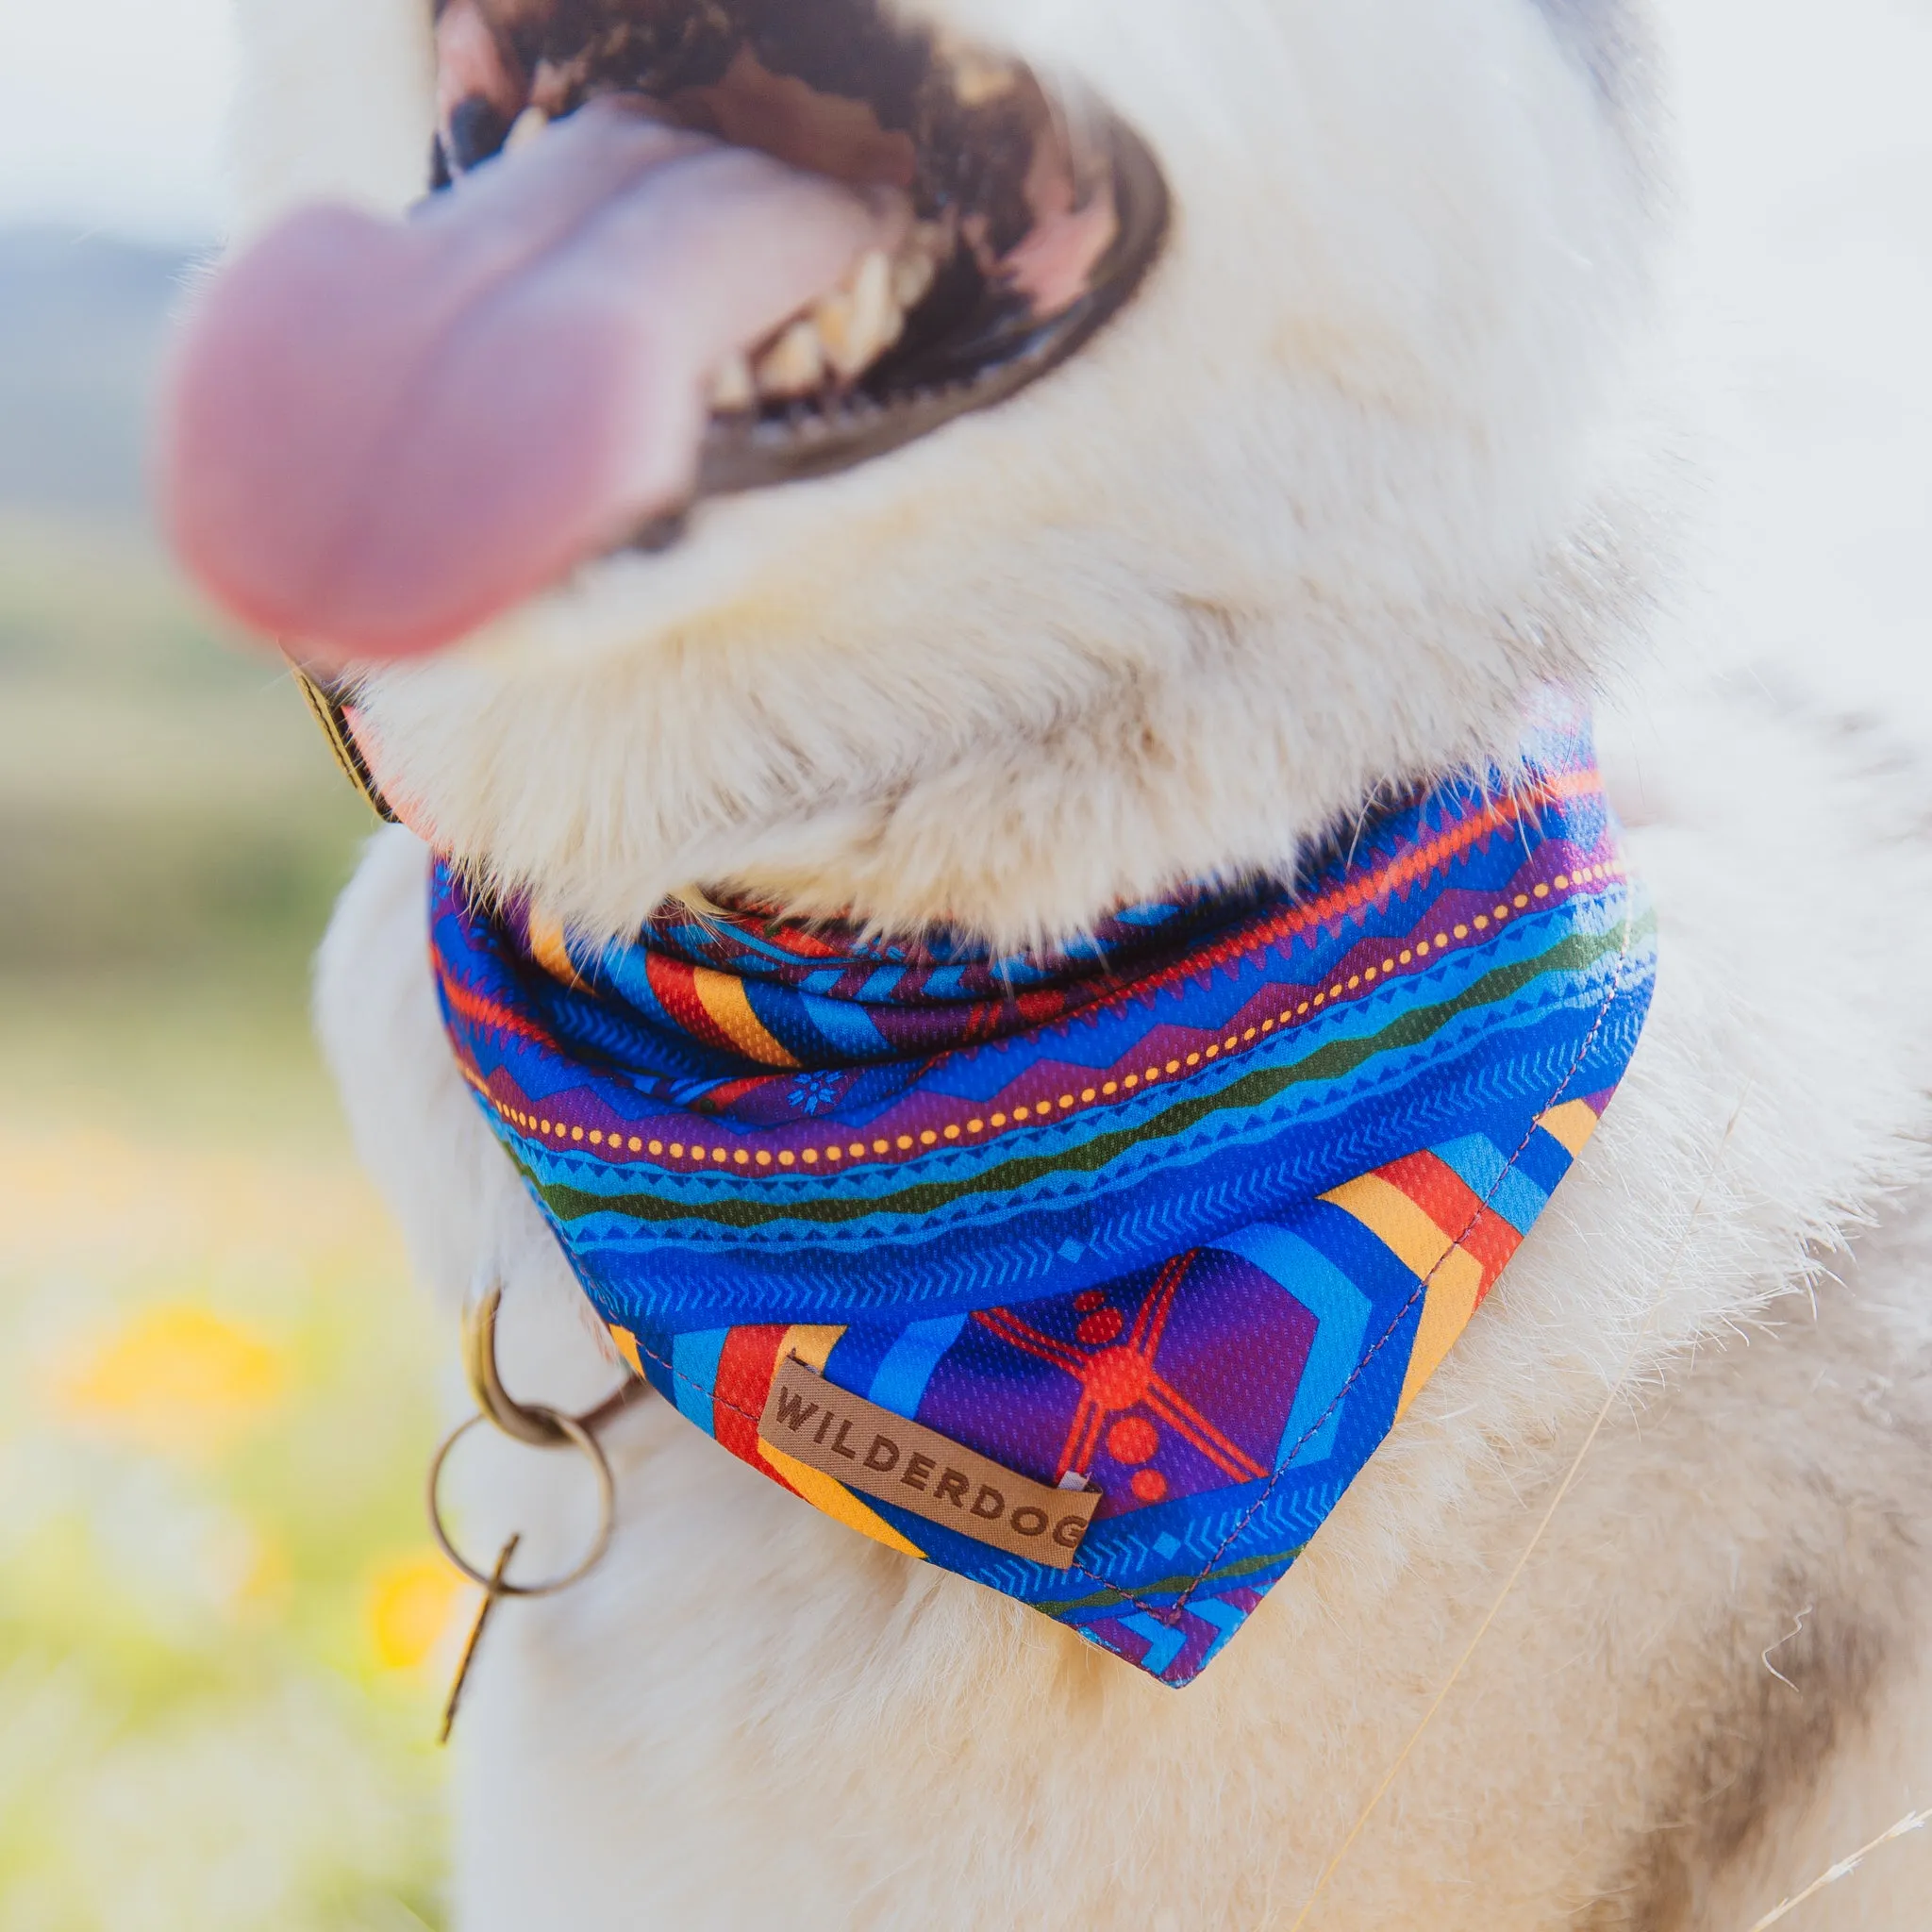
(111, 111)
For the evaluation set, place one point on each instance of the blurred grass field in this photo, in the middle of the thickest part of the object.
(222, 1632)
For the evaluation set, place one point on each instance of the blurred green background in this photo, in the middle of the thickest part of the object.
(223, 1634)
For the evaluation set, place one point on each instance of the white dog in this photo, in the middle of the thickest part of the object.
(1360, 461)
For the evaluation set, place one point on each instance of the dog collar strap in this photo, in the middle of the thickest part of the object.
(1182, 1219)
(329, 707)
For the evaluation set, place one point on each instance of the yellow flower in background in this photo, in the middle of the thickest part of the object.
(411, 1603)
(176, 1378)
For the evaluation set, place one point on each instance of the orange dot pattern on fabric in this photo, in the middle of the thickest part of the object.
(1120, 1084)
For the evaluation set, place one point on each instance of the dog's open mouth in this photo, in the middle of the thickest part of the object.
(680, 247)
(1027, 228)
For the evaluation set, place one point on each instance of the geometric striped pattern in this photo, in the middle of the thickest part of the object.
(1190, 1212)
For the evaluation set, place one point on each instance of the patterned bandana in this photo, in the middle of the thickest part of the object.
(1181, 1217)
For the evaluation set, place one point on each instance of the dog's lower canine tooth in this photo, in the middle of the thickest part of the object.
(859, 320)
(833, 318)
(877, 311)
(732, 388)
(794, 365)
(912, 276)
(525, 130)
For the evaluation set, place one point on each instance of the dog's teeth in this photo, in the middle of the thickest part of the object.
(794, 365)
(525, 130)
(859, 322)
(833, 318)
(847, 331)
(977, 79)
(732, 388)
(912, 276)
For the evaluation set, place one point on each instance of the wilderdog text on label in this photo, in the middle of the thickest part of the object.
(882, 1455)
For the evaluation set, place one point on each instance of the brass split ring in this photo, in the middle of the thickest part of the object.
(568, 1431)
(532, 1424)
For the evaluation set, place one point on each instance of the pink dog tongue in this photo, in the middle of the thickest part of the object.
(378, 435)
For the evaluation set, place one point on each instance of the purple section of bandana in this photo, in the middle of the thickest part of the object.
(1169, 1383)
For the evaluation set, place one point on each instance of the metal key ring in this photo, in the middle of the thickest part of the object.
(587, 1444)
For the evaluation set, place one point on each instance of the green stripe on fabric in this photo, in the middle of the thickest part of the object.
(1228, 1573)
(1574, 955)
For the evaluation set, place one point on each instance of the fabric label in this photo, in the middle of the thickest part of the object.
(882, 1455)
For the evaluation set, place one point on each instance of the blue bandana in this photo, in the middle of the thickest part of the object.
(1171, 1227)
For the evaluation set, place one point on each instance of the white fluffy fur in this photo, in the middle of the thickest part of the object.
(1342, 460)
(1353, 470)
